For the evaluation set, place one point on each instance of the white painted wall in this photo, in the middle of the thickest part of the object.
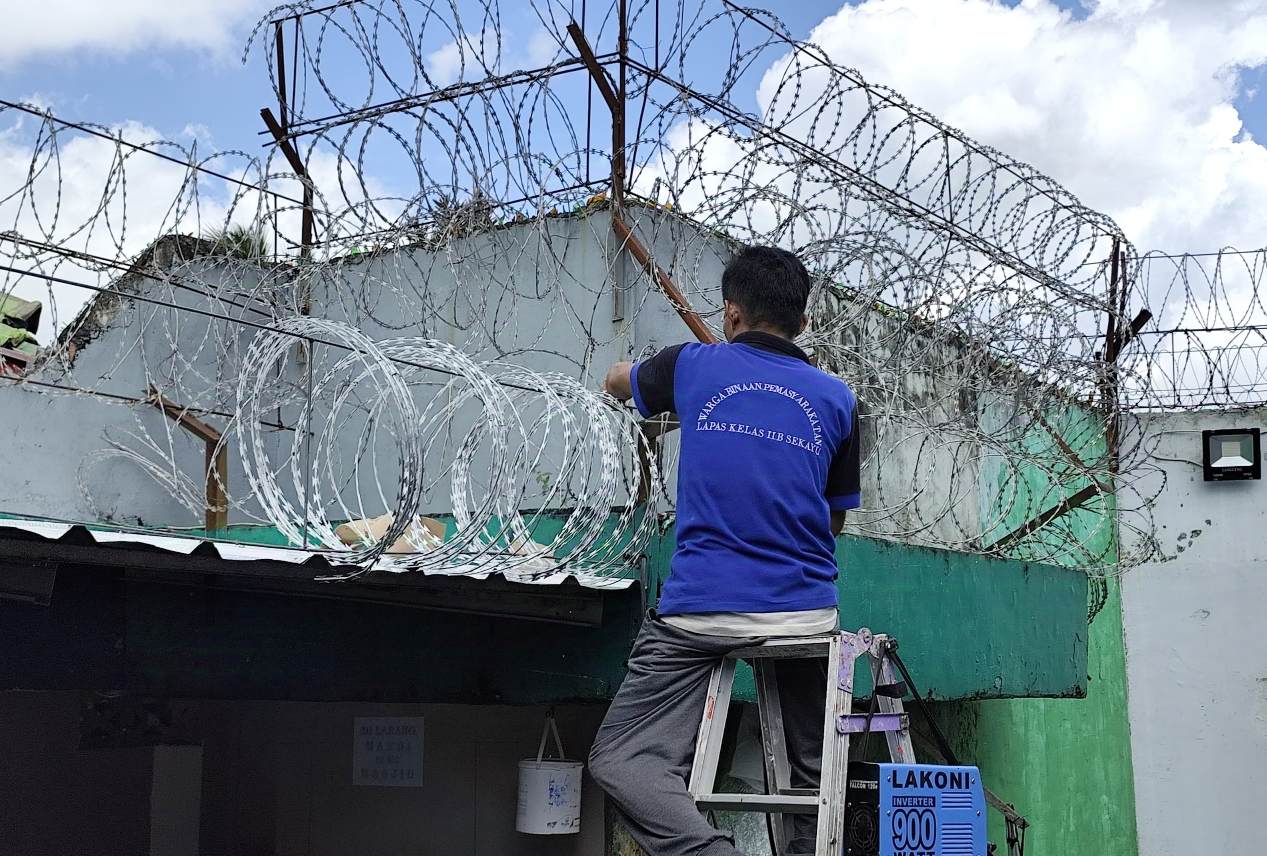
(1197, 652)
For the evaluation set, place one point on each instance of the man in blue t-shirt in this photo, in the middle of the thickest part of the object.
(769, 466)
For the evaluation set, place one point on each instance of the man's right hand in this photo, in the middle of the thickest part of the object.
(617, 384)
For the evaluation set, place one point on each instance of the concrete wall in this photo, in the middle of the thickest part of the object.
(1024, 750)
(970, 626)
(539, 295)
(279, 780)
(1196, 654)
(56, 799)
(58, 462)
(1065, 764)
(275, 779)
(541, 298)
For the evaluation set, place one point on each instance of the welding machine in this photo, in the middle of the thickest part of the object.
(914, 810)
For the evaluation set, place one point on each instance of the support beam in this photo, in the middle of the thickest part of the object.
(1059, 509)
(1068, 452)
(217, 458)
(614, 96)
(296, 163)
(601, 80)
(1113, 339)
(618, 114)
(183, 417)
(641, 255)
(283, 142)
(280, 47)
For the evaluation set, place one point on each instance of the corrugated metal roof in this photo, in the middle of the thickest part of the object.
(235, 552)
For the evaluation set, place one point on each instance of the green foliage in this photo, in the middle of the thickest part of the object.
(450, 218)
(240, 242)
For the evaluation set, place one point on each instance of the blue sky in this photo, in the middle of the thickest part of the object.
(180, 90)
(184, 90)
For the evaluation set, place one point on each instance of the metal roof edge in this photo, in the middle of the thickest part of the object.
(54, 530)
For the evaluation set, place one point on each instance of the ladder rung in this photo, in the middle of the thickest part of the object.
(767, 803)
(784, 648)
(799, 792)
(856, 723)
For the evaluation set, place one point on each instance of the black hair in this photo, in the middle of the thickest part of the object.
(770, 285)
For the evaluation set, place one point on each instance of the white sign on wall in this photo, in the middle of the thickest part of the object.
(387, 751)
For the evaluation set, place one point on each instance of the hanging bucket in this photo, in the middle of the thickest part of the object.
(549, 790)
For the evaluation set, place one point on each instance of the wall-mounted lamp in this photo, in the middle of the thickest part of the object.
(1231, 453)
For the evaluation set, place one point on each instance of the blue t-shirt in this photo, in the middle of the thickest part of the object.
(769, 449)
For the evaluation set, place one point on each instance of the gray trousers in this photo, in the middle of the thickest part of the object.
(643, 752)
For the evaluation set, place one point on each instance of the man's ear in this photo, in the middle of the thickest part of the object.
(804, 324)
(732, 312)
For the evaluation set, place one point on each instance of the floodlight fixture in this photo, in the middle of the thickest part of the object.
(1231, 454)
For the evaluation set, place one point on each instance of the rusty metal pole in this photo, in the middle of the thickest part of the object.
(619, 141)
(642, 256)
(279, 127)
(1112, 348)
(216, 511)
(279, 44)
(629, 242)
(618, 114)
(1114, 340)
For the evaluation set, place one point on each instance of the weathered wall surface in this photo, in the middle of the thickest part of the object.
(60, 799)
(541, 296)
(1196, 654)
(559, 315)
(59, 456)
(276, 778)
(109, 632)
(1065, 764)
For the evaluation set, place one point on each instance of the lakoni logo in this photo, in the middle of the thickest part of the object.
(942, 780)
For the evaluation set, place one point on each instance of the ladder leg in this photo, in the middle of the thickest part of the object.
(901, 751)
(774, 743)
(841, 654)
(712, 729)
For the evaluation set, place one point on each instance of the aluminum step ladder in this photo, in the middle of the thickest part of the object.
(887, 715)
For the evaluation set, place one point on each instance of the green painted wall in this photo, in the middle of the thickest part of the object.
(1065, 764)
(969, 626)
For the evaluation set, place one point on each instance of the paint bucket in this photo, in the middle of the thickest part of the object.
(549, 790)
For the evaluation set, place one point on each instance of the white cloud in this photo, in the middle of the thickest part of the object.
(444, 64)
(476, 57)
(542, 48)
(121, 26)
(1131, 107)
(86, 194)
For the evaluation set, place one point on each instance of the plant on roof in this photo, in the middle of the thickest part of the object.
(450, 218)
(237, 241)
